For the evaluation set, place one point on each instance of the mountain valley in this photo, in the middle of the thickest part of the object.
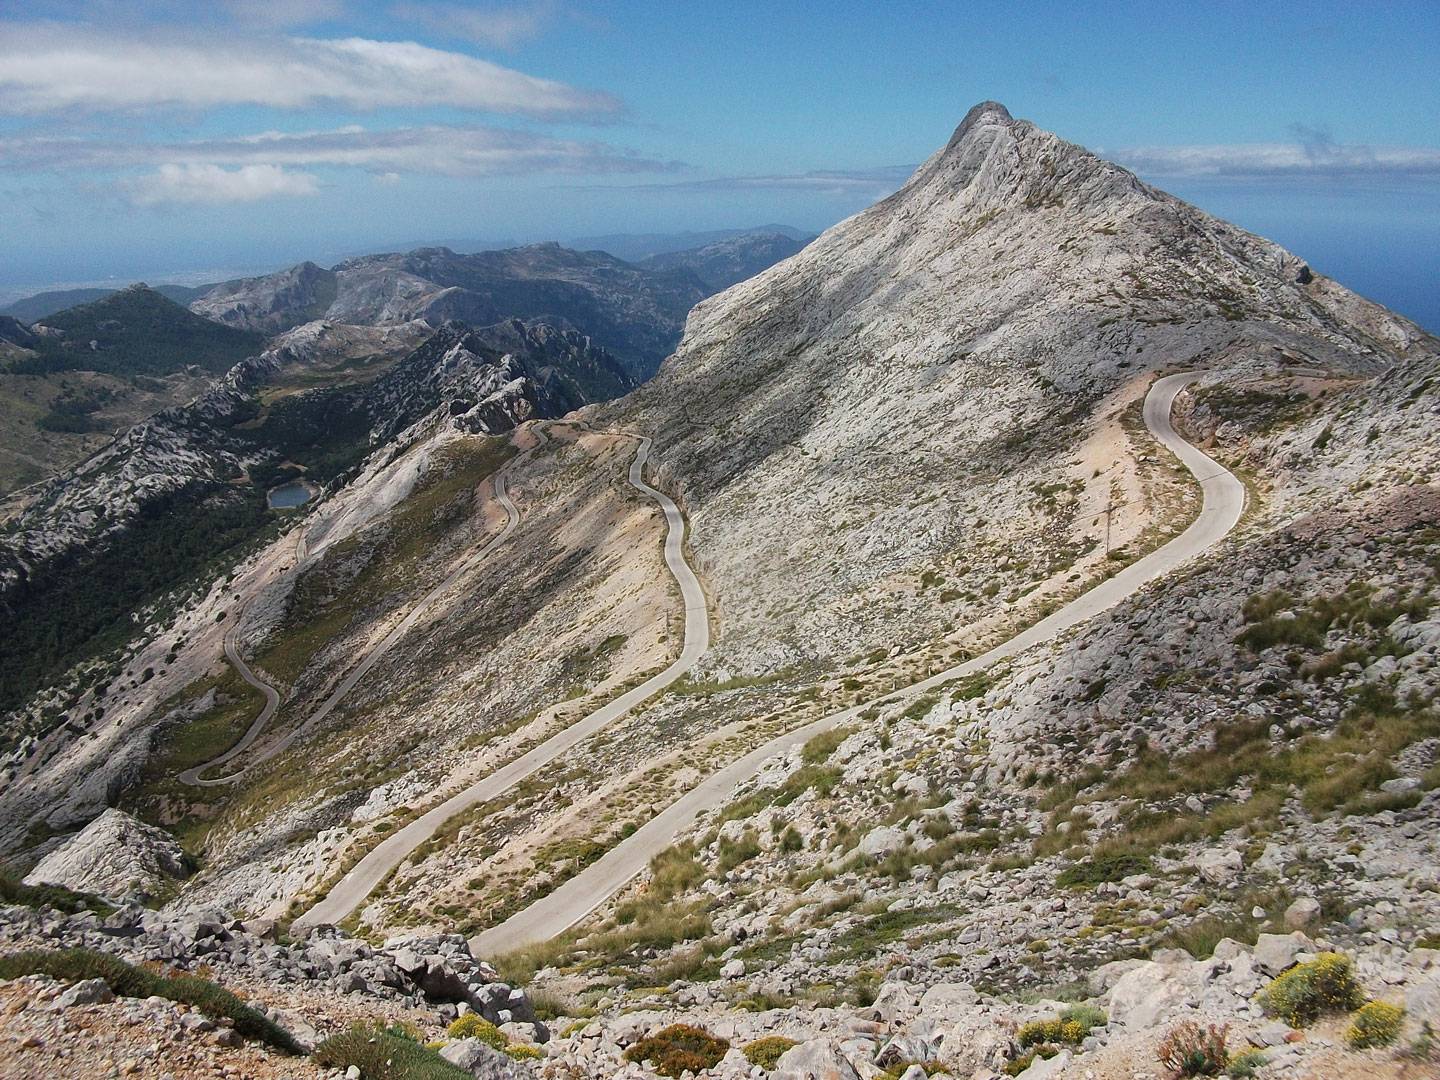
(1065, 654)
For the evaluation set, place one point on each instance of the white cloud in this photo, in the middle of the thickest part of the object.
(503, 27)
(283, 12)
(213, 185)
(431, 149)
(868, 183)
(45, 68)
(1314, 157)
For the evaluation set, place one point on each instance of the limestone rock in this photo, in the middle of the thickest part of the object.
(1276, 952)
(114, 855)
(817, 1059)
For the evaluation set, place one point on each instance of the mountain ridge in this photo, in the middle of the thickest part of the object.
(896, 449)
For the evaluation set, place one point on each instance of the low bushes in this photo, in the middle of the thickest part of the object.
(474, 1026)
(1191, 1050)
(1102, 868)
(126, 980)
(1307, 991)
(766, 1052)
(1375, 1024)
(1043, 1038)
(380, 1055)
(14, 891)
(678, 1048)
(1071, 1026)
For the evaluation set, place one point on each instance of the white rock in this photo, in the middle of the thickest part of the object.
(1219, 865)
(113, 855)
(882, 841)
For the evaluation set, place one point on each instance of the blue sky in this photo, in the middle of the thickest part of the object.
(169, 138)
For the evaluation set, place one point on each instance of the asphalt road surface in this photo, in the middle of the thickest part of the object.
(351, 890)
(1224, 501)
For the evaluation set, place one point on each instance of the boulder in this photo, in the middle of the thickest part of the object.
(948, 999)
(975, 1043)
(1276, 952)
(1044, 1068)
(1219, 866)
(893, 1001)
(115, 855)
(482, 1061)
(1302, 913)
(882, 840)
(1422, 998)
(88, 992)
(814, 1060)
(1144, 995)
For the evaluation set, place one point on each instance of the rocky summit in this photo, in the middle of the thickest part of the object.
(1001, 639)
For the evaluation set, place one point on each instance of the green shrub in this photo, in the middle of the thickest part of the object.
(524, 1052)
(1375, 1024)
(14, 891)
(1191, 1050)
(766, 1052)
(1243, 1066)
(1054, 1030)
(1088, 1016)
(126, 980)
(1070, 1027)
(474, 1026)
(1307, 991)
(1102, 868)
(382, 1056)
(673, 1050)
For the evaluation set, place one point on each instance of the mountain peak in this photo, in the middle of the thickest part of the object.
(987, 112)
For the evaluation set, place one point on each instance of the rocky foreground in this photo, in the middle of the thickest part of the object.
(1113, 1023)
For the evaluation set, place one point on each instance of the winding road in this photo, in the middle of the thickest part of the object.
(352, 889)
(1224, 501)
(194, 775)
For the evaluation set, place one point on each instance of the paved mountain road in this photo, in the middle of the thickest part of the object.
(351, 890)
(194, 776)
(1224, 501)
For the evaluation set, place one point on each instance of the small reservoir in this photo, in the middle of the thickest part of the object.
(289, 496)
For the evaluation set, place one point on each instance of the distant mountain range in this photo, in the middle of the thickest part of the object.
(638, 246)
(637, 312)
(34, 308)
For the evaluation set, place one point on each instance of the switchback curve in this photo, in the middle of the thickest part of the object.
(572, 901)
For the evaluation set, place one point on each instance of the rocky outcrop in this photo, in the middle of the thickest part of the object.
(434, 971)
(635, 312)
(272, 303)
(115, 855)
